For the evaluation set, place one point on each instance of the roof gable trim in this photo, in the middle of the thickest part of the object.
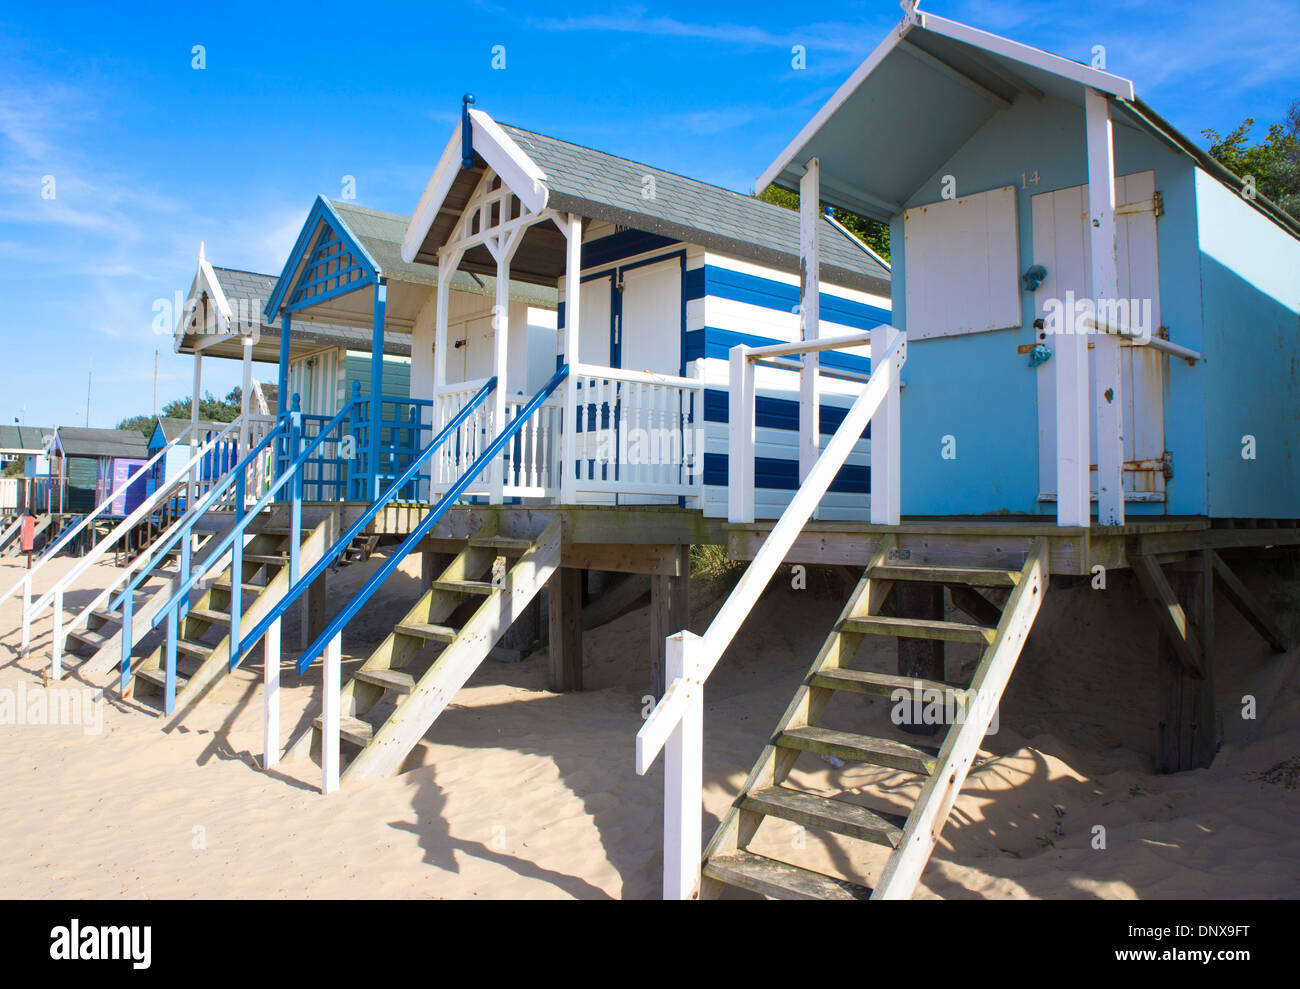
(503, 156)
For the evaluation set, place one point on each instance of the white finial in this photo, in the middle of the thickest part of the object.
(200, 252)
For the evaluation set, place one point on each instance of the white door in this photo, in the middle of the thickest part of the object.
(650, 324)
(1061, 245)
(596, 308)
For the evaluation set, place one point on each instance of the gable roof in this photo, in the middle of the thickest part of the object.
(171, 427)
(926, 89)
(247, 291)
(76, 441)
(24, 439)
(601, 186)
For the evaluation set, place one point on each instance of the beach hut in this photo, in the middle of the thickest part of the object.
(29, 445)
(346, 275)
(659, 276)
(1096, 325)
(89, 465)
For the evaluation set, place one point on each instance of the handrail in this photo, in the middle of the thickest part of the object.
(430, 520)
(677, 717)
(128, 523)
(238, 529)
(344, 541)
(202, 507)
(144, 559)
(48, 553)
(635, 377)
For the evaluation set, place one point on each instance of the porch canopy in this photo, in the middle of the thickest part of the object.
(925, 91)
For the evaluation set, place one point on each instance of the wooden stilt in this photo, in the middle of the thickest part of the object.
(919, 658)
(670, 613)
(314, 616)
(1188, 729)
(564, 593)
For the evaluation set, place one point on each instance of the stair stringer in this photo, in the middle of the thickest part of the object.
(457, 662)
(903, 869)
(395, 652)
(738, 826)
(217, 666)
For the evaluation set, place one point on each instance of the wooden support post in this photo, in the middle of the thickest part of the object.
(196, 401)
(245, 401)
(314, 602)
(500, 367)
(375, 483)
(670, 613)
(572, 357)
(809, 316)
(886, 438)
(330, 688)
(921, 658)
(564, 603)
(271, 692)
(740, 443)
(1107, 390)
(1188, 725)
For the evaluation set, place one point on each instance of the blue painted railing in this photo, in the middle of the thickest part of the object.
(343, 542)
(126, 597)
(401, 431)
(340, 621)
(234, 539)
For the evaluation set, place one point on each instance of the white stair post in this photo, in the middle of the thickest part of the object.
(886, 436)
(329, 746)
(271, 690)
(684, 771)
(740, 443)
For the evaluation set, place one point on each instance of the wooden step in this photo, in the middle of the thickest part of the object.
(275, 559)
(921, 628)
(224, 584)
(860, 748)
(881, 684)
(465, 586)
(210, 615)
(395, 680)
(158, 677)
(107, 616)
(351, 729)
(975, 576)
(188, 648)
(89, 638)
(435, 633)
(503, 543)
(825, 814)
(780, 880)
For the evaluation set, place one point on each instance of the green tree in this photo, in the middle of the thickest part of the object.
(210, 409)
(873, 232)
(1273, 163)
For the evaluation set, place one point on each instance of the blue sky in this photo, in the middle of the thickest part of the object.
(150, 155)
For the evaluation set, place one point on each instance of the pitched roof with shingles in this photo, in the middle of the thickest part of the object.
(25, 438)
(604, 186)
(76, 441)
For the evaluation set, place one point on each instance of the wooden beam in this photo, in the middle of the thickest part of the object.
(1248, 605)
(564, 604)
(975, 604)
(809, 316)
(1170, 612)
(670, 613)
(1188, 726)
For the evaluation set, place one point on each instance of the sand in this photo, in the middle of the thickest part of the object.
(524, 793)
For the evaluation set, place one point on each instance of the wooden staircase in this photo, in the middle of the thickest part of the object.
(203, 643)
(767, 793)
(400, 690)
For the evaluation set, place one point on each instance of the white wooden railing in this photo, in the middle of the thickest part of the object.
(54, 596)
(676, 724)
(638, 433)
(25, 582)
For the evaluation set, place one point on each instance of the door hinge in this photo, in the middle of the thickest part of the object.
(1167, 465)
